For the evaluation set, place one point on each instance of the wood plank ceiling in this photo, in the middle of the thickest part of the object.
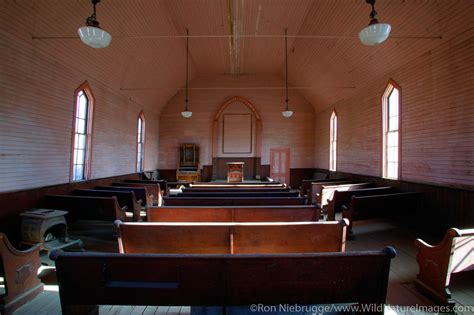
(146, 59)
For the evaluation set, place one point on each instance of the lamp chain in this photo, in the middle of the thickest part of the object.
(187, 66)
(286, 67)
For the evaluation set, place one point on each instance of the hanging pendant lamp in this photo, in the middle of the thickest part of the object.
(287, 113)
(375, 33)
(91, 34)
(186, 113)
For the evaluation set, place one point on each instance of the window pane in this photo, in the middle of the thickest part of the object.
(393, 123)
(392, 139)
(392, 170)
(80, 126)
(80, 141)
(393, 103)
(392, 154)
(82, 106)
(79, 156)
(78, 172)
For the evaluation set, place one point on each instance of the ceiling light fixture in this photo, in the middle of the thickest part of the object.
(287, 113)
(186, 113)
(91, 34)
(375, 33)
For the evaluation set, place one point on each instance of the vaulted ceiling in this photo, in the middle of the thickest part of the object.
(327, 63)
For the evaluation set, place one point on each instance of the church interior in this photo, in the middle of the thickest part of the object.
(236, 156)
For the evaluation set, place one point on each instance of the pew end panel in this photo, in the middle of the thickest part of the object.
(222, 280)
(455, 253)
(19, 271)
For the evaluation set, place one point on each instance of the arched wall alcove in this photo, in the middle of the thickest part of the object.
(236, 137)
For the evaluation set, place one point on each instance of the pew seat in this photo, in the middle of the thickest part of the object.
(19, 271)
(90, 279)
(455, 253)
(234, 214)
(231, 238)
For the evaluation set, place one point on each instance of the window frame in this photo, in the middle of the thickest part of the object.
(390, 87)
(333, 141)
(85, 88)
(141, 116)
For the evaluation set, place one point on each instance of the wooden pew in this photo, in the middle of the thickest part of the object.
(126, 199)
(341, 198)
(143, 194)
(315, 188)
(90, 279)
(87, 208)
(231, 238)
(318, 190)
(455, 253)
(153, 191)
(233, 185)
(252, 194)
(397, 205)
(242, 201)
(234, 214)
(327, 191)
(235, 189)
(19, 271)
(162, 182)
(306, 183)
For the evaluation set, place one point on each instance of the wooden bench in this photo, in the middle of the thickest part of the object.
(235, 189)
(306, 183)
(143, 194)
(397, 205)
(327, 191)
(231, 238)
(90, 279)
(234, 214)
(162, 182)
(252, 194)
(233, 185)
(153, 191)
(315, 188)
(341, 198)
(241, 201)
(455, 253)
(87, 208)
(126, 199)
(19, 271)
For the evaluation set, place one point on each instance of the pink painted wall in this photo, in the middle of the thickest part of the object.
(296, 132)
(437, 126)
(36, 111)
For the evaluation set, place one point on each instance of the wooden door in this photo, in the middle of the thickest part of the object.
(280, 164)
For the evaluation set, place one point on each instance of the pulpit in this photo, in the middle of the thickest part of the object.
(235, 172)
(188, 168)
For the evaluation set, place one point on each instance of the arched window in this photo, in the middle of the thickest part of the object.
(140, 142)
(82, 132)
(391, 101)
(333, 142)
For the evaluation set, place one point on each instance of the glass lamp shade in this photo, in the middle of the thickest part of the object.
(375, 34)
(94, 36)
(287, 113)
(186, 113)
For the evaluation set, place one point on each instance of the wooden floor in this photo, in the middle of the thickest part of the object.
(369, 235)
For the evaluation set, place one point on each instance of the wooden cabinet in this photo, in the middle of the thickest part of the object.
(188, 168)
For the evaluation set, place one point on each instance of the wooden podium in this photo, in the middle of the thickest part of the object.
(235, 172)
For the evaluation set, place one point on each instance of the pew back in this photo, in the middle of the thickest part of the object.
(87, 208)
(153, 191)
(239, 201)
(89, 279)
(126, 199)
(238, 194)
(233, 214)
(327, 191)
(141, 193)
(231, 238)
(341, 198)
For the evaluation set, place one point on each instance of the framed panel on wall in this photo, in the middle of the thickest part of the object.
(237, 133)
